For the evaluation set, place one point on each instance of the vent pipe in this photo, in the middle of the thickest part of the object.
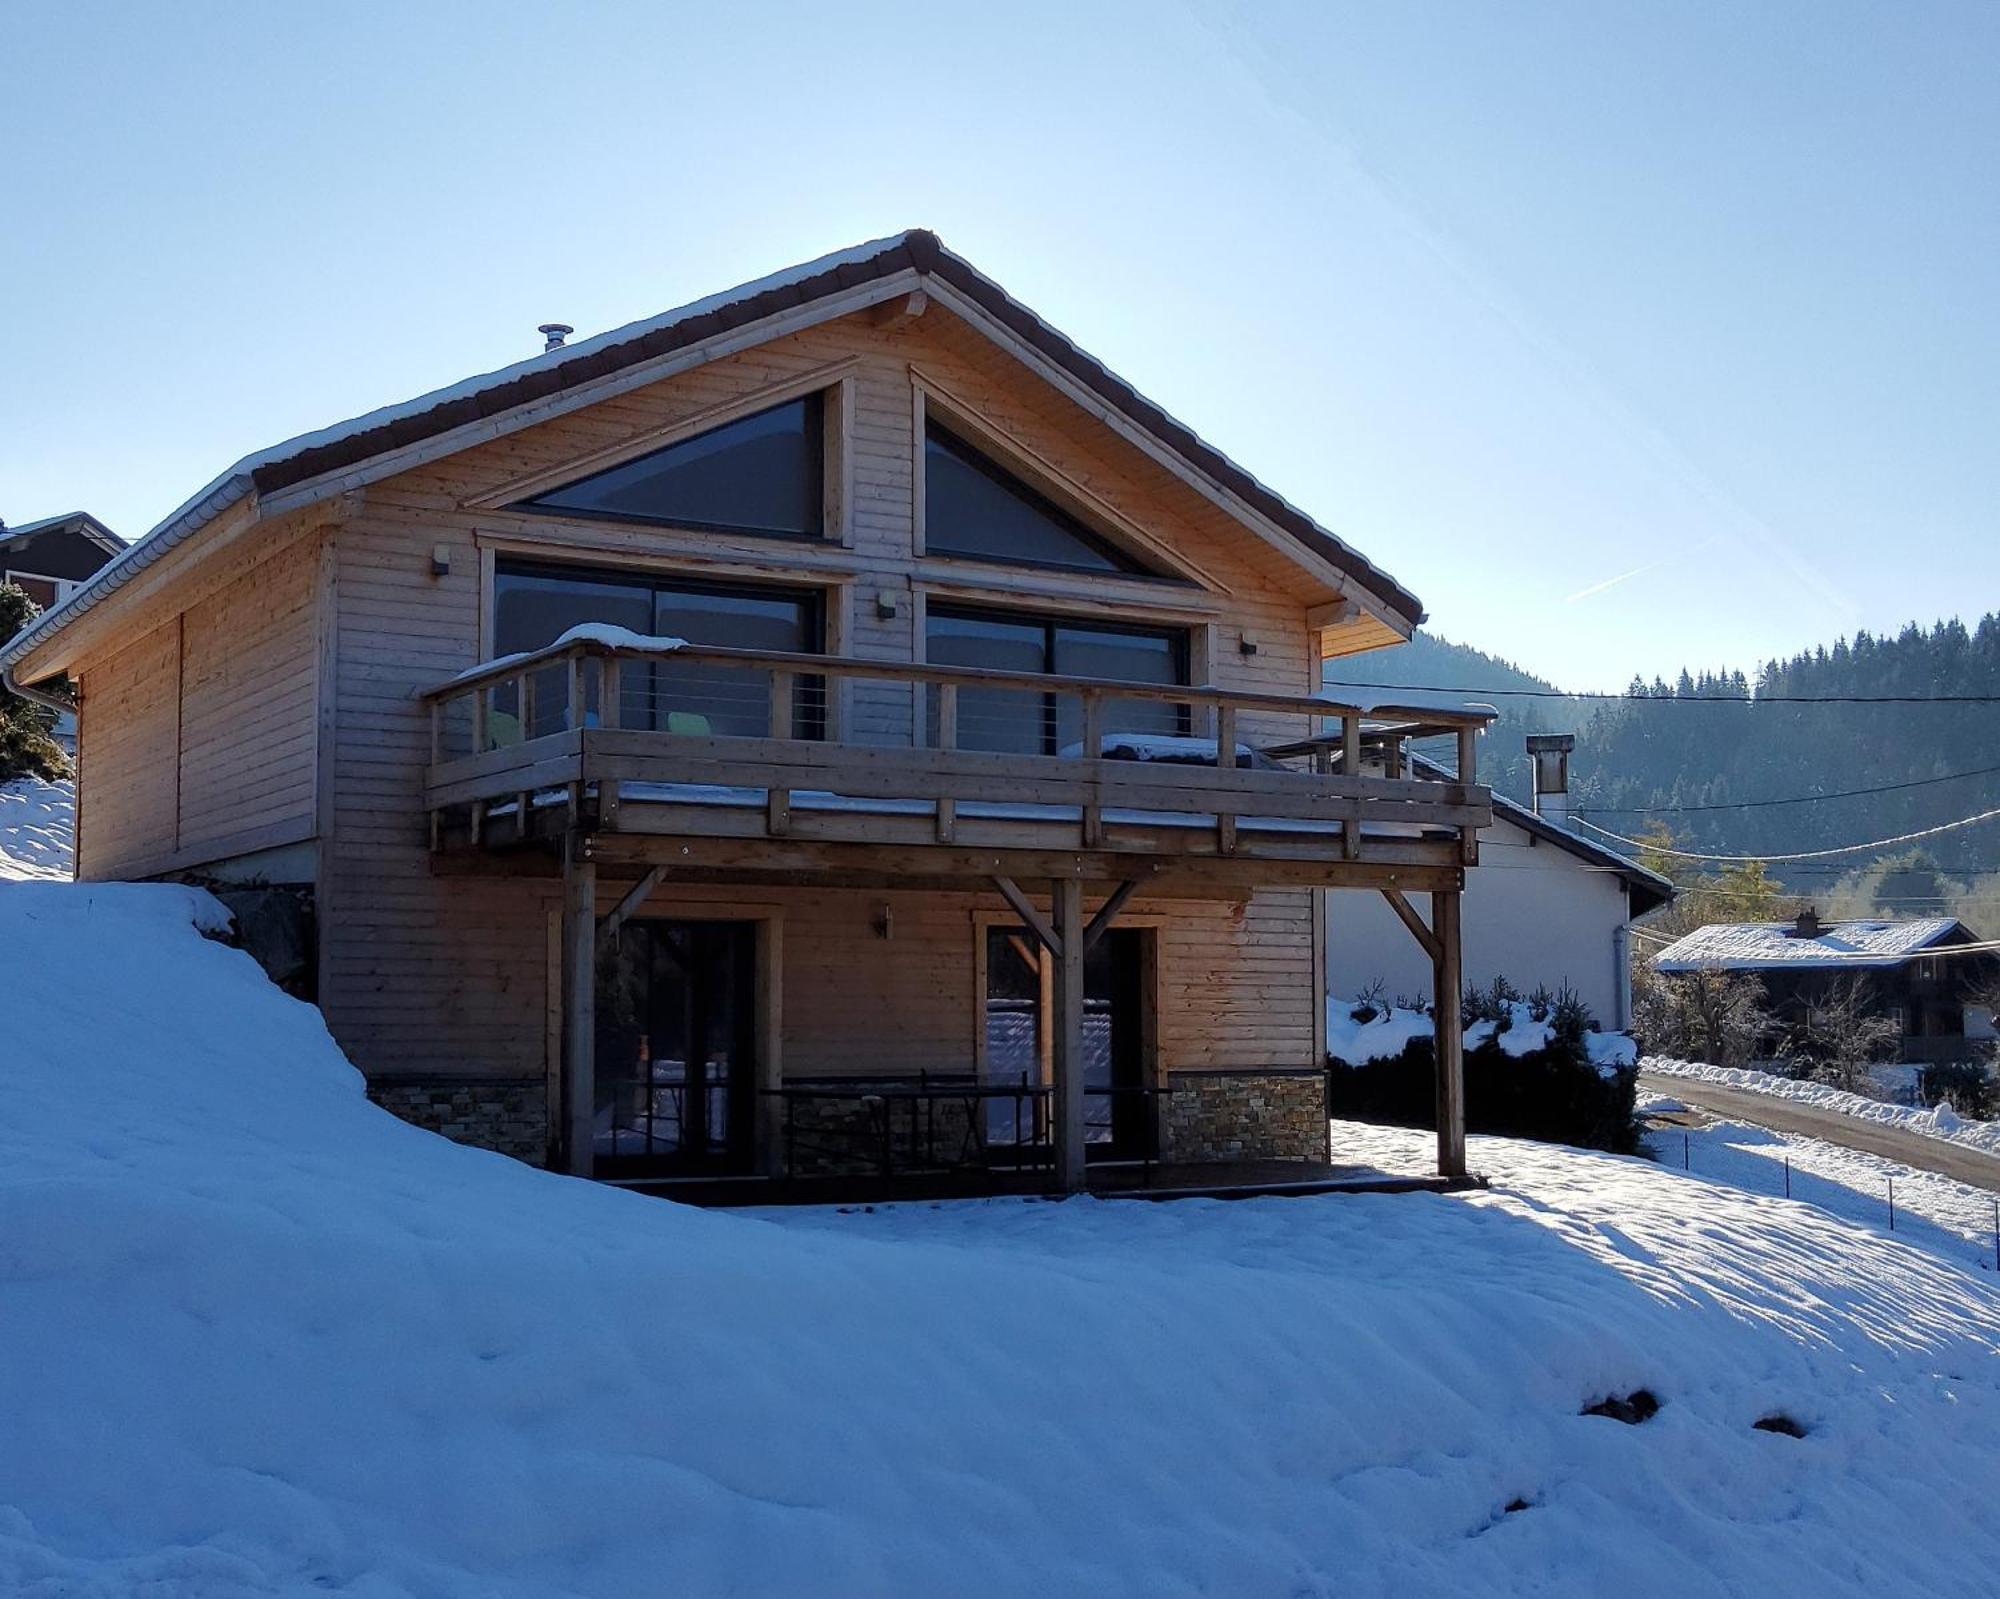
(553, 334)
(1550, 753)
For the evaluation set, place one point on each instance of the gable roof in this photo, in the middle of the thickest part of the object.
(80, 522)
(1649, 889)
(347, 444)
(1772, 946)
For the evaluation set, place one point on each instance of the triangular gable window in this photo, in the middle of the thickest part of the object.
(976, 508)
(758, 474)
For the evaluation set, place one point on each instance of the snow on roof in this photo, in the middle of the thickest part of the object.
(1774, 946)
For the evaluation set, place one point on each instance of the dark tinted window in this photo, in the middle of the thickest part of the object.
(974, 507)
(534, 605)
(759, 474)
(1020, 721)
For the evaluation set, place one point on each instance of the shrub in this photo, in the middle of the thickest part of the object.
(1555, 1093)
(1965, 1086)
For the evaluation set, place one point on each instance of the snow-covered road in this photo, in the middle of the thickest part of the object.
(1957, 1161)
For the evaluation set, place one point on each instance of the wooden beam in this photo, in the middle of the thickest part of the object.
(1449, 983)
(692, 857)
(627, 907)
(1049, 938)
(1107, 913)
(1066, 895)
(580, 1010)
(900, 312)
(1415, 923)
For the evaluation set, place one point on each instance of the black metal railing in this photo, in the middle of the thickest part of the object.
(939, 1126)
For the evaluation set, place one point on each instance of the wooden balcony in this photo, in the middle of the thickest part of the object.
(730, 762)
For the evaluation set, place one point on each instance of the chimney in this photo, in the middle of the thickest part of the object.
(553, 334)
(1808, 923)
(1550, 753)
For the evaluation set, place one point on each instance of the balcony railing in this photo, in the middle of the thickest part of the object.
(640, 736)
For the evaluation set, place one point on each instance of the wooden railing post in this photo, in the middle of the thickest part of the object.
(1468, 774)
(609, 705)
(1225, 760)
(1350, 766)
(1093, 750)
(778, 801)
(947, 739)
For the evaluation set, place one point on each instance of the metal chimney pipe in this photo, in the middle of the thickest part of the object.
(1550, 753)
(553, 334)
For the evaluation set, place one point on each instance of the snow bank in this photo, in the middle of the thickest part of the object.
(1384, 1036)
(262, 1338)
(37, 830)
(1351, 1042)
(1938, 1122)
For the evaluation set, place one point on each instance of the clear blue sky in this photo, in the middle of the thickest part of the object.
(1521, 299)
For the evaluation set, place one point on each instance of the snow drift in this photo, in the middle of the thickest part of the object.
(261, 1338)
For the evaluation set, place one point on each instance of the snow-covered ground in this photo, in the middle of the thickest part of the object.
(1940, 1121)
(37, 830)
(1935, 1212)
(261, 1338)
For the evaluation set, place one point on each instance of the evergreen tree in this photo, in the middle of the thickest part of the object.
(27, 748)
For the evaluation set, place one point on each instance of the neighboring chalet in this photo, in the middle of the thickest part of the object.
(50, 560)
(1544, 907)
(1908, 971)
(836, 726)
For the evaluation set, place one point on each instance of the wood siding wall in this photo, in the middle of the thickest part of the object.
(422, 974)
(197, 740)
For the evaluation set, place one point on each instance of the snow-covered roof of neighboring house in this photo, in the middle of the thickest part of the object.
(1649, 889)
(1777, 946)
(918, 253)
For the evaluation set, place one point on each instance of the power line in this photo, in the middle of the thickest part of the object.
(1676, 699)
(1796, 799)
(1796, 855)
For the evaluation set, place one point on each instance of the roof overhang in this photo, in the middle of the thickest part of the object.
(321, 465)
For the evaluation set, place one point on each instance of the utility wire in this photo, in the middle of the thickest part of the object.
(1796, 799)
(1676, 699)
(1796, 855)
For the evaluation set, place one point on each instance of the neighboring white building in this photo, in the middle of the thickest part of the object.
(1543, 906)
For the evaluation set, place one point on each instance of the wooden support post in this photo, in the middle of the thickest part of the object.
(1448, 970)
(579, 1008)
(1066, 895)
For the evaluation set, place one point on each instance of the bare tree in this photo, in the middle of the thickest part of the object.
(1717, 1017)
(1838, 1034)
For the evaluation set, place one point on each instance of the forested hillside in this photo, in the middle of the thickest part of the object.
(1774, 775)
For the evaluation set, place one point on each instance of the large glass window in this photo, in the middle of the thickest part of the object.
(758, 474)
(535, 604)
(1023, 722)
(975, 507)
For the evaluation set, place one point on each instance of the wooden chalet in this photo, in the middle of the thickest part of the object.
(836, 727)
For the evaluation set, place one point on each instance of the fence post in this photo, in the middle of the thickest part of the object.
(1687, 1153)
(1892, 1204)
(1788, 1176)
